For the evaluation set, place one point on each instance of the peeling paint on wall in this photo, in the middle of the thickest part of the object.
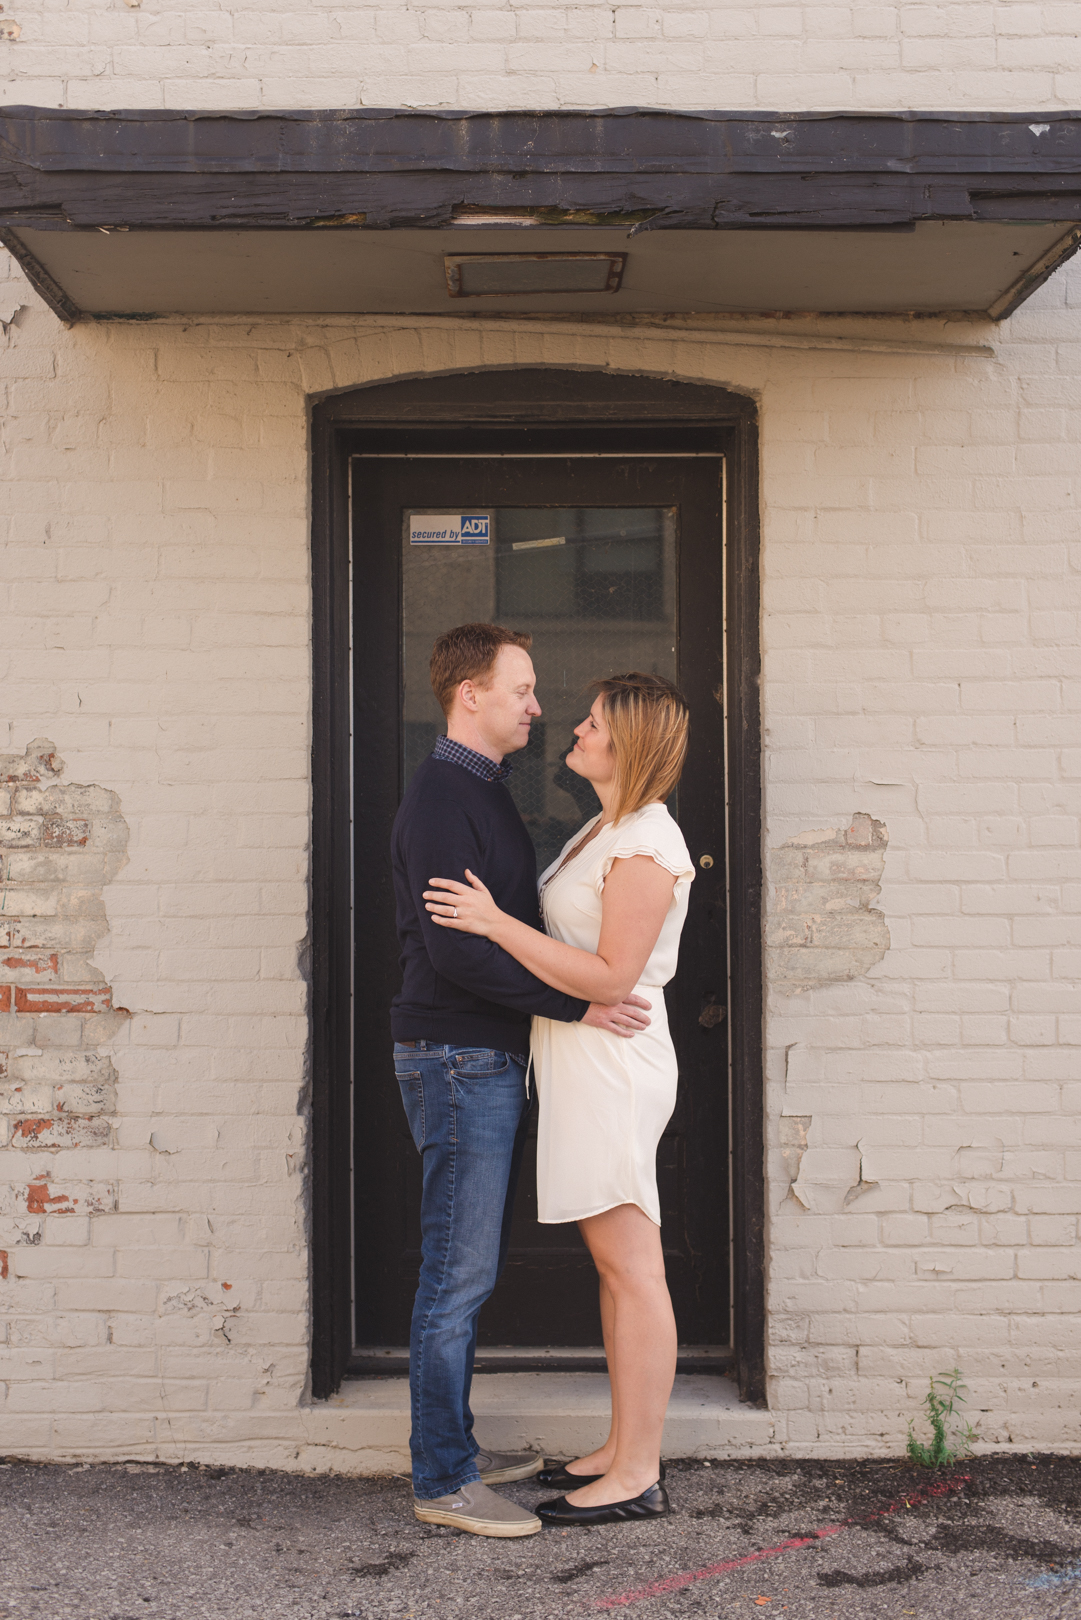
(863, 1184)
(822, 927)
(794, 1128)
(59, 845)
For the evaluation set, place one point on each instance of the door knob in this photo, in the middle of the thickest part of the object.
(712, 1014)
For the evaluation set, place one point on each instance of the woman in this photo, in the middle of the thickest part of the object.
(614, 904)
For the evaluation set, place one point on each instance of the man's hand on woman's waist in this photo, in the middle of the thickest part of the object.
(624, 1018)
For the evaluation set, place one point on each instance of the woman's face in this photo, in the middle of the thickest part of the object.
(592, 755)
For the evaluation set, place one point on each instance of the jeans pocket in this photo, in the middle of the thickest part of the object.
(476, 1062)
(412, 1090)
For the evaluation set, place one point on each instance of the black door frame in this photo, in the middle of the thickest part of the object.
(523, 398)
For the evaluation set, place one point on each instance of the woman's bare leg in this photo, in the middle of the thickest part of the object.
(599, 1461)
(641, 1347)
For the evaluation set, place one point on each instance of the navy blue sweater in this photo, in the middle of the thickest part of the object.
(459, 989)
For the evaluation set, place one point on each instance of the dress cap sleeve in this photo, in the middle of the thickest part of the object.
(650, 831)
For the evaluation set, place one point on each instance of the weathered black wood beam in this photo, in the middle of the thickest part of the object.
(40, 279)
(64, 168)
(628, 138)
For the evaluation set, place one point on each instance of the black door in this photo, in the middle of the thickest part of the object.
(612, 556)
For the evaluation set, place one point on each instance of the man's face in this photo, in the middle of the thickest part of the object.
(506, 707)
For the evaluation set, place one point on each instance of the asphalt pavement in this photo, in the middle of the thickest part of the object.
(994, 1538)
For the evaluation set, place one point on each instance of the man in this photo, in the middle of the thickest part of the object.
(461, 1037)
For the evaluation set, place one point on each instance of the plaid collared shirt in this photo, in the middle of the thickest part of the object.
(457, 754)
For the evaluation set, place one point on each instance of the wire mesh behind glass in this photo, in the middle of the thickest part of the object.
(596, 588)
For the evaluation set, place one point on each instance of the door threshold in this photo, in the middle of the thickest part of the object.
(364, 1428)
(383, 1361)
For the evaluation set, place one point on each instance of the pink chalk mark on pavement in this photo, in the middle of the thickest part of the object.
(672, 1583)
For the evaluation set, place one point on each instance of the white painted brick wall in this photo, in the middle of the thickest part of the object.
(167, 53)
(921, 666)
(926, 670)
(922, 579)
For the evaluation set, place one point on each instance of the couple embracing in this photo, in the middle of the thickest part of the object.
(486, 986)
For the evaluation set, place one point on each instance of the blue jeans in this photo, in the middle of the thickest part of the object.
(467, 1110)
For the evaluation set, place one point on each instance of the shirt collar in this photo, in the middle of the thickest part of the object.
(456, 753)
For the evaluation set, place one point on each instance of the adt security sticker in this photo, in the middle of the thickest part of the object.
(448, 529)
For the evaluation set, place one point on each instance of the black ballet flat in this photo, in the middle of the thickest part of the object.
(556, 1475)
(652, 1504)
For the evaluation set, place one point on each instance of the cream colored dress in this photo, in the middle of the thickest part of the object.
(605, 1100)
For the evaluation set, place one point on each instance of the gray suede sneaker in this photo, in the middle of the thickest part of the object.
(500, 1467)
(480, 1511)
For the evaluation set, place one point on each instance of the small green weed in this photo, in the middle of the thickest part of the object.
(951, 1436)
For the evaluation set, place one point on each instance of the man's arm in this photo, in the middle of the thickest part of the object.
(474, 963)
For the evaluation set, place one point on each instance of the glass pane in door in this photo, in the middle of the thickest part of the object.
(596, 588)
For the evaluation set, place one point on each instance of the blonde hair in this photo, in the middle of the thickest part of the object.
(648, 722)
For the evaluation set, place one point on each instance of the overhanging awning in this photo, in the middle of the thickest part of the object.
(116, 214)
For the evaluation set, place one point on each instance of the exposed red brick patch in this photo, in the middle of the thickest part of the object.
(20, 832)
(29, 1129)
(39, 763)
(72, 1131)
(3, 1265)
(63, 999)
(66, 832)
(40, 1201)
(57, 1099)
(38, 962)
(84, 1097)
